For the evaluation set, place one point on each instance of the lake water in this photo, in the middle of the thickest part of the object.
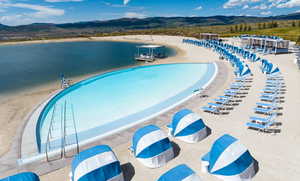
(27, 65)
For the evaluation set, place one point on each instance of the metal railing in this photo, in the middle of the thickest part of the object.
(64, 133)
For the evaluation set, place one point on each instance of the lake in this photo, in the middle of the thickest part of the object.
(27, 65)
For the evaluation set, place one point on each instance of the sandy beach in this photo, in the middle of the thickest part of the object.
(277, 154)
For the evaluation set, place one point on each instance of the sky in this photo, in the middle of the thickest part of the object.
(19, 12)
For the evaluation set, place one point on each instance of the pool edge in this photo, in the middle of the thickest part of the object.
(39, 156)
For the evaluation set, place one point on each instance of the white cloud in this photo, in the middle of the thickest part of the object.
(266, 13)
(261, 6)
(246, 6)
(234, 3)
(134, 15)
(289, 4)
(198, 8)
(114, 5)
(125, 2)
(58, 1)
(39, 13)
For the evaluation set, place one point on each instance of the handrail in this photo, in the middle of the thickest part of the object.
(49, 132)
(74, 127)
(76, 136)
(64, 128)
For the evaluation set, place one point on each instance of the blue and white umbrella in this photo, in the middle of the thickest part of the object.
(188, 126)
(98, 163)
(245, 71)
(25, 176)
(152, 147)
(274, 70)
(180, 173)
(228, 159)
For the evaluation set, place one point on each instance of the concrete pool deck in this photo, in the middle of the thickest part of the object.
(277, 154)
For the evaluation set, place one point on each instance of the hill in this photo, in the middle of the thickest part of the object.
(45, 30)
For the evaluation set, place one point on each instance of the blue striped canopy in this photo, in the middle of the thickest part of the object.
(179, 173)
(25, 176)
(98, 163)
(154, 147)
(228, 157)
(192, 123)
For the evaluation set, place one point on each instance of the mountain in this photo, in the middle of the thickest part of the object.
(40, 30)
(294, 16)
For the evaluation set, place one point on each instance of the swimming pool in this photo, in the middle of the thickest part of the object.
(116, 100)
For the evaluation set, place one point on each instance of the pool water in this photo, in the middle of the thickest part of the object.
(119, 99)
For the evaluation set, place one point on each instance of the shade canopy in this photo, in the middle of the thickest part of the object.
(151, 146)
(229, 159)
(98, 163)
(25, 176)
(188, 126)
(180, 173)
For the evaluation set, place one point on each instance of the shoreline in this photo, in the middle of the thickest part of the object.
(49, 88)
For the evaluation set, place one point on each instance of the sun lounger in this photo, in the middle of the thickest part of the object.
(224, 97)
(269, 90)
(263, 120)
(261, 127)
(268, 98)
(221, 101)
(266, 105)
(263, 110)
(236, 86)
(259, 120)
(210, 109)
(268, 94)
(215, 105)
(274, 76)
(231, 90)
(273, 86)
(274, 82)
(231, 94)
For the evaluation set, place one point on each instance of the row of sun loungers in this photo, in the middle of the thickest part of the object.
(270, 97)
(225, 102)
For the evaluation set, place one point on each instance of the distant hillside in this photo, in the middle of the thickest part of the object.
(44, 30)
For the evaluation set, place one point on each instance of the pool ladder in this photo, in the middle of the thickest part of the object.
(62, 133)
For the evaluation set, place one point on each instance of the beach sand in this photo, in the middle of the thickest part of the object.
(277, 154)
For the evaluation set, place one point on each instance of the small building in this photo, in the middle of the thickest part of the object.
(209, 36)
(265, 44)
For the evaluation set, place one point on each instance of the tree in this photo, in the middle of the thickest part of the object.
(298, 23)
(241, 27)
(264, 26)
(231, 29)
(236, 28)
(249, 28)
(245, 28)
(293, 24)
(259, 26)
(275, 25)
(270, 25)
